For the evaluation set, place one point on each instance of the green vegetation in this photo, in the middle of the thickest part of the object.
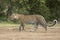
(50, 9)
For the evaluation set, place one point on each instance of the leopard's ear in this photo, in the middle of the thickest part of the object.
(15, 16)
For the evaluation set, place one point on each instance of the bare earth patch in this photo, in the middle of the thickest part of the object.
(12, 33)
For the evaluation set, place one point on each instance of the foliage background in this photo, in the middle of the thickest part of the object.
(50, 9)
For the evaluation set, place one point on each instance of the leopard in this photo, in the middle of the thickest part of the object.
(35, 19)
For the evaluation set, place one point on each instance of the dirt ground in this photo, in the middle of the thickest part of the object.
(12, 33)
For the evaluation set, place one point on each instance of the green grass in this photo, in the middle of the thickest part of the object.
(7, 24)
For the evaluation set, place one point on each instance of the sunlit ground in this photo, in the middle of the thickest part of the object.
(10, 32)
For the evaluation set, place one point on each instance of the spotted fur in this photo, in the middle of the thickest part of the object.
(36, 19)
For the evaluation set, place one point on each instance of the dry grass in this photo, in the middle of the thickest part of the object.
(10, 32)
